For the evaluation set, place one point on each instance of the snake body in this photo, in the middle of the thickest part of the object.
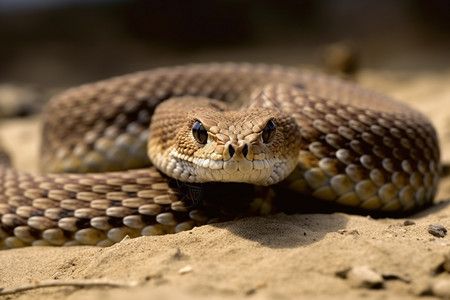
(268, 126)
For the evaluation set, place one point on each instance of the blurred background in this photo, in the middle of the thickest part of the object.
(49, 45)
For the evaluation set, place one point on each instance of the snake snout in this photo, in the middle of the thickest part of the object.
(238, 152)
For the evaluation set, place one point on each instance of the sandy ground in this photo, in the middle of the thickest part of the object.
(278, 257)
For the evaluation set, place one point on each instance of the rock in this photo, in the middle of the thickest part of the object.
(441, 288)
(409, 223)
(185, 270)
(437, 230)
(362, 277)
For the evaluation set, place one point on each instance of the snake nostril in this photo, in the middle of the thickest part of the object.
(245, 150)
(231, 150)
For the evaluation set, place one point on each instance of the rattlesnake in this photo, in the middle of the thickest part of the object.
(270, 129)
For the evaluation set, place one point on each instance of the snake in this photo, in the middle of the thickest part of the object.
(165, 150)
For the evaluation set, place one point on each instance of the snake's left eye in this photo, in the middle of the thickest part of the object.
(268, 133)
(199, 132)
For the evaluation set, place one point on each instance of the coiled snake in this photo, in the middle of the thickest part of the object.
(269, 126)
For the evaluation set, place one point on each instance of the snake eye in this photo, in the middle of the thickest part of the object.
(199, 132)
(268, 133)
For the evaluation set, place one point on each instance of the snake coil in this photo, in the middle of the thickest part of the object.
(267, 125)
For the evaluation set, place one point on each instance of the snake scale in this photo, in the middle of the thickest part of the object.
(164, 150)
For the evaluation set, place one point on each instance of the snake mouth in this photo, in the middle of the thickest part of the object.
(263, 172)
(232, 170)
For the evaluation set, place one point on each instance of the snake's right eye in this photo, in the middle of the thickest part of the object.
(199, 132)
(268, 133)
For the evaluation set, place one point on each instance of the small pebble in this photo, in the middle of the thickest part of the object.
(185, 270)
(362, 277)
(409, 223)
(437, 230)
(441, 288)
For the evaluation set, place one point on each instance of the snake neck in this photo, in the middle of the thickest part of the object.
(210, 143)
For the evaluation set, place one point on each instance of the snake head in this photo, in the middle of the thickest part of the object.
(201, 140)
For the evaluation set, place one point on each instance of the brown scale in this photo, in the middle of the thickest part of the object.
(369, 142)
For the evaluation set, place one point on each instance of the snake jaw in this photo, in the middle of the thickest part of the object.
(260, 172)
